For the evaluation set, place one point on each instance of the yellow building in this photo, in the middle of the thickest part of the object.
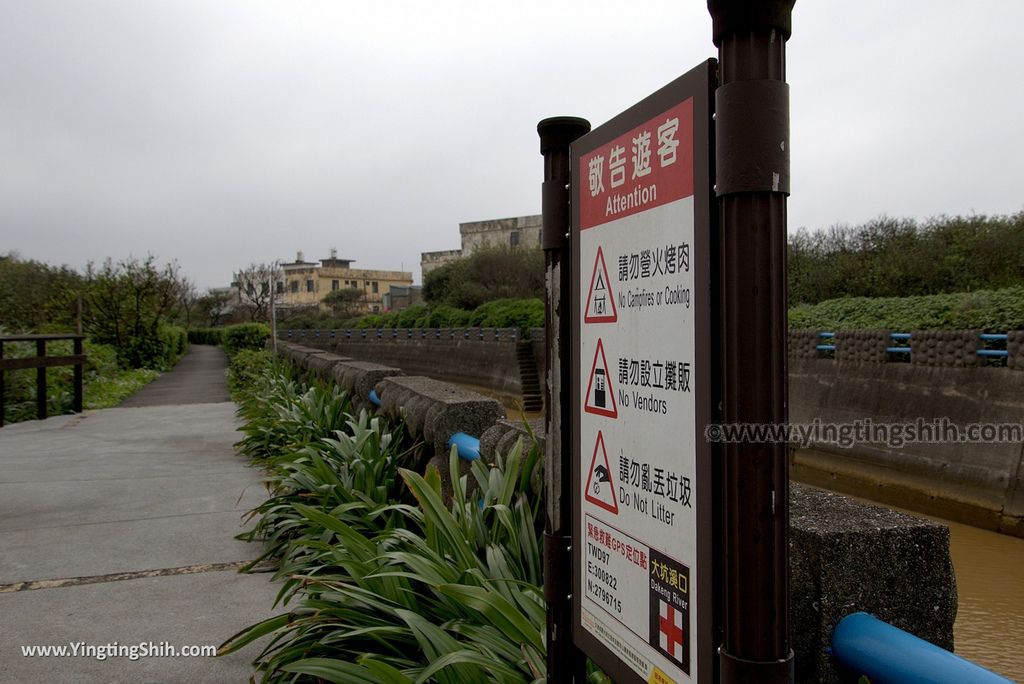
(304, 284)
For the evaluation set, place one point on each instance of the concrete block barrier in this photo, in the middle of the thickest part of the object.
(846, 557)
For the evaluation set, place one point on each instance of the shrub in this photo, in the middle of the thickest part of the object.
(245, 369)
(174, 343)
(486, 275)
(509, 313)
(989, 310)
(245, 336)
(214, 336)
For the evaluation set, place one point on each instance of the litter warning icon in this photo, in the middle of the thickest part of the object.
(600, 397)
(600, 489)
(600, 300)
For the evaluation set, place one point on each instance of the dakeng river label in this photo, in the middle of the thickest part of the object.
(642, 565)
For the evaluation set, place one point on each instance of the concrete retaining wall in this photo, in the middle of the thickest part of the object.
(845, 556)
(485, 357)
(980, 483)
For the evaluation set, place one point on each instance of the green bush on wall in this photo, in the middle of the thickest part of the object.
(988, 310)
(245, 336)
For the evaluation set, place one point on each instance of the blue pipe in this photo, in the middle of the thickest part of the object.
(993, 352)
(898, 350)
(825, 347)
(900, 336)
(994, 337)
(467, 445)
(374, 398)
(826, 334)
(888, 655)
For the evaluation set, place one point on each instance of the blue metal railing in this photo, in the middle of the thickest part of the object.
(888, 655)
(468, 447)
(826, 346)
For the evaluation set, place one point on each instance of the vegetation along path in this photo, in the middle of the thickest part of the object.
(117, 526)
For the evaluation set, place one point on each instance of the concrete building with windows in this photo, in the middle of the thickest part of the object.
(304, 284)
(521, 231)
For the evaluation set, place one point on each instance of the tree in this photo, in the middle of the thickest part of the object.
(485, 276)
(212, 307)
(255, 288)
(35, 296)
(346, 302)
(188, 300)
(126, 304)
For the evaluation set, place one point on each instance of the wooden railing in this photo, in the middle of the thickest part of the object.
(41, 362)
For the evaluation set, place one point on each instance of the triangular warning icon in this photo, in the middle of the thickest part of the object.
(600, 306)
(600, 396)
(600, 489)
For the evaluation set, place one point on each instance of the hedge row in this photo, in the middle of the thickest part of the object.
(989, 310)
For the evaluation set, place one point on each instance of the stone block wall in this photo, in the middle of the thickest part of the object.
(862, 346)
(1015, 345)
(485, 357)
(956, 348)
(803, 344)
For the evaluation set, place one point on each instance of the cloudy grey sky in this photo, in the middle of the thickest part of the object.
(222, 132)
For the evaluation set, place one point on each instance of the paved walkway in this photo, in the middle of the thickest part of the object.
(118, 526)
(199, 378)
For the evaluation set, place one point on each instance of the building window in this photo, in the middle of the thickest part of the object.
(334, 286)
(375, 288)
(355, 284)
(280, 287)
(376, 309)
(309, 286)
(294, 285)
(513, 238)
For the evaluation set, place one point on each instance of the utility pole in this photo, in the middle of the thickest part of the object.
(273, 310)
(752, 183)
(565, 662)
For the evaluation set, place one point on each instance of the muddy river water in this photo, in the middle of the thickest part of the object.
(989, 626)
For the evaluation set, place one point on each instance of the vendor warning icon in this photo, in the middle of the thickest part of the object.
(600, 487)
(600, 300)
(600, 397)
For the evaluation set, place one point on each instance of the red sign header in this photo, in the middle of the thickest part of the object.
(644, 168)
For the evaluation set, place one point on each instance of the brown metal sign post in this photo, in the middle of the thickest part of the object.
(565, 663)
(752, 182)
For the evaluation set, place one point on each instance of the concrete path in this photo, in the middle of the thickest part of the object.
(199, 378)
(118, 526)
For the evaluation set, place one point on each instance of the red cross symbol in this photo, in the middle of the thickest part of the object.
(670, 631)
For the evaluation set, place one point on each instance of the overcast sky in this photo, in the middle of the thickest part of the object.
(223, 132)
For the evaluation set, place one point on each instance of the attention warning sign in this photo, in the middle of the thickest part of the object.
(600, 396)
(600, 302)
(642, 515)
(600, 487)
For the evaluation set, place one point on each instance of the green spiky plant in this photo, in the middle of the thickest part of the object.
(438, 593)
